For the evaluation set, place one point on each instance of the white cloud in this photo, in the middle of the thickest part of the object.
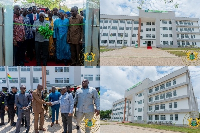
(117, 79)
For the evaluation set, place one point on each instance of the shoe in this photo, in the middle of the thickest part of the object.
(13, 124)
(43, 129)
(1, 124)
(56, 121)
(52, 124)
(77, 127)
(22, 125)
(9, 121)
(25, 126)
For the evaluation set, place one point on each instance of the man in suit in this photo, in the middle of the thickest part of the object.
(23, 103)
(38, 108)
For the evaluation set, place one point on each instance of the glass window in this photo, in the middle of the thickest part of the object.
(150, 99)
(58, 69)
(156, 107)
(157, 97)
(162, 96)
(168, 94)
(126, 34)
(114, 27)
(174, 81)
(115, 21)
(47, 72)
(165, 35)
(170, 105)
(175, 104)
(162, 86)
(13, 80)
(88, 77)
(3, 80)
(165, 28)
(153, 29)
(156, 117)
(105, 21)
(133, 42)
(136, 22)
(23, 79)
(37, 68)
(25, 68)
(122, 21)
(125, 41)
(148, 23)
(47, 82)
(139, 118)
(171, 42)
(120, 34)
(162, 106)
(165, 42)
(135, 28)
(153, 36)
(168, 84)
(176, 117)
(113, 34)
(153, 23)
(174, 93)
(129, 22)
(162, 117)
(140, 102)
(58, 80)
(150, 108)
(2, 68)
(170, 28)
(139, 109)
(171, 117)
(100, 27)
(104, 41)
(98, 77)
(119, 41)
(101, 21)
(35, 80)
(170, 22)
(170, 35)
(105, 34)
(121, 28)
(12, 68)
(148, 35)
(150, 117)
(140, 94)
(164, 22)
(111, 41)
(104, 27)
(148, 29)
(66, 80)
(134, 35)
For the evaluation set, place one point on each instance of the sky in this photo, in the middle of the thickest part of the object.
(115, 80)
(186, 8)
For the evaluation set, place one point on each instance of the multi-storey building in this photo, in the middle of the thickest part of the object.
(150, 28)
(48, 76)
(168, 100)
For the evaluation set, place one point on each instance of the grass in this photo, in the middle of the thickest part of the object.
(178, 53)
(105, 49)
(180, 48)
(165, 127)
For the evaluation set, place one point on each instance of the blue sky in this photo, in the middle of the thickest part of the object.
(115, 80)
(186, 8)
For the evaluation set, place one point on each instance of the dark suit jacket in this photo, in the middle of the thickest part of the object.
(31, 18)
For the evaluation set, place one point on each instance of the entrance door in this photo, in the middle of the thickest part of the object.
(149, 43)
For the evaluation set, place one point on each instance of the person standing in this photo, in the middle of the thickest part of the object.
(86, 97)
(23, 103)
(28, 35)
(55, 14)
(18, 37)
(2, 107)
(66, 102)
(75, 36)
(60, 34)
(38, 108)
(54, 96)
(40, 42)
(10, 105)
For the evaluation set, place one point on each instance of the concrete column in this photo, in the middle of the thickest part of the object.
(139, 28)
(124, 110)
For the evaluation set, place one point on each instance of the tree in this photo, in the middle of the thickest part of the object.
(105, 114)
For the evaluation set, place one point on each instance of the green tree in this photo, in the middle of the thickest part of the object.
(105, 114)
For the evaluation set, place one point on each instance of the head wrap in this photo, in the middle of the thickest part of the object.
(67, 12)
(61, 11)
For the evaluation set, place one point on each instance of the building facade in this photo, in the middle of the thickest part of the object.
(48, 76)
(168, 100)
(150, 28)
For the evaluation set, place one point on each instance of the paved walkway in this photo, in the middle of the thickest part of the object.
(113, 127)
(131, 56)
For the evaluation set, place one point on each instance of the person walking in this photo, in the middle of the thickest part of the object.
(2, 107)
(54, 96)
(23, 103)
(66, 102)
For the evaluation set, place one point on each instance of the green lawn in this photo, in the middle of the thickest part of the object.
(178, 53)
(180, 48)
(165, 127)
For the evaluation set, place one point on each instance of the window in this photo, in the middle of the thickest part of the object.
(47, 72)
(47, 82)
(170, 105)
(174, 93)
(133, 42)
(150, 99)
(162, 117)
(141, 30)
(148, 35)
(175, 104)
(139, 109)
(104, 27)
(164, 22)
(170, 22)
(153, 23)
(157, 97)
(171, 117)
(100, 27)
(113, 34)
(66, 80)
(157, 88)
(162, 106)
(129, 22)
(170, 35)
(150, 117)
(88, 77)
(23, 80)
(105, 34)
(121, 28)
(120, 34)
(111, 41)
(140, 102)
(125, 41)
(165, 42)
(174, 81)
(156, 107)
(168, 84)
(122, 21)
(104, 41)
(2, 68)
(98, 77)
(134, 35)
(3, 80)
(105, 21)
(156, 117)
(135, 28)
(162, 86)
(150, 108)
(101, 21)
(148, 23)
(150, 90)
(148, 29)
(119, 41)
(127, 28)
(182, 36)
(162, 96)
(168, 94)
(153, 29)
(170, 28)
(140, 94)
(136, 22)
(35, 80)
(13, 68)
(126, 34)
(115, 21)
(153, 36)
(13, 80)
(176, 117)
(37, 68)
(165, 35)
(58, 80)
(24, 68)
(171, 42)
(139, 118)
(114, 27)
(58, 69)
(165, 28)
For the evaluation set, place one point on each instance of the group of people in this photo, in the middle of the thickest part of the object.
(65, 45)
(85, 100)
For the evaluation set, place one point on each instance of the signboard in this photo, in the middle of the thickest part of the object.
(156, 11)
(134, 86)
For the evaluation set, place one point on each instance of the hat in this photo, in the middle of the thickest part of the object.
(61, 11)
(67, 12)
(13, 87)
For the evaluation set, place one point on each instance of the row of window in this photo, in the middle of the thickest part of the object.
(184, 23)
(35, 68)
(165, 22)
(162, 96)
(118, 42)
(163, 117)
(186, 36)
(166, 35)
(185, 29)
(162, 106)
(186, 43)
(167, 28)
(121, 21)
